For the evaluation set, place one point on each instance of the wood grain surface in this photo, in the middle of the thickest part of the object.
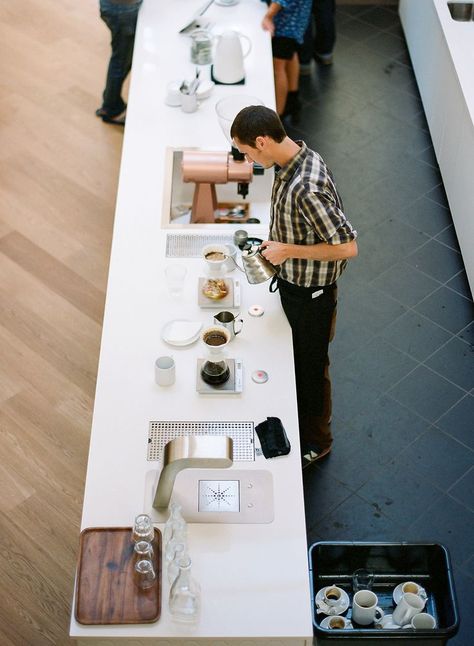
(106, 592)
(59, 169)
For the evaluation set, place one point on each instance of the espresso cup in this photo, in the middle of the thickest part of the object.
(414, 588)
(228, 321)
(338, 623)
(410, 605)
(423, 621)
(364, 608)
(165, 371)
(332, 595)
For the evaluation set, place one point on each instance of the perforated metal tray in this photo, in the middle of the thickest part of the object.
(189, 245)
(242, 433)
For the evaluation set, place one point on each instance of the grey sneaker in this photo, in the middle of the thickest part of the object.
(306, 69)
(324, 59)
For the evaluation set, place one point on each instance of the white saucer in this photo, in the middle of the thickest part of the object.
(397, 593)
(331, 610)
(181, 332)
(325, 624)
(388, 623)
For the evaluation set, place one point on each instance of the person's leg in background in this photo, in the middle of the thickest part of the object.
(286, 72)
(121, 21)
(320, 35)
(324, 13)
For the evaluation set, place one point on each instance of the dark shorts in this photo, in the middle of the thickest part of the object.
(283, 47)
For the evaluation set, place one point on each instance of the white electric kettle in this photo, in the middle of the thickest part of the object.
(229, 57)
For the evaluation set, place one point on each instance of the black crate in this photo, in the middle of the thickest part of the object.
(393, 563)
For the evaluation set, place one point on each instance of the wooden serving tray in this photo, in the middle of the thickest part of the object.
(106, 592)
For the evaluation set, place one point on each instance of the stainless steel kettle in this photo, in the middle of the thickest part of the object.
(257, 268)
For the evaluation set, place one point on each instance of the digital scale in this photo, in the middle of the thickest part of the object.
(233, 385)
(230, 300)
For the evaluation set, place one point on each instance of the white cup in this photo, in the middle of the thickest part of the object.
(231, 261)
(189, 102)
(365, 609)
(414, 588)
(423, 621)
(410, 605)
(338, 623)
(332, 595)
(165, 371)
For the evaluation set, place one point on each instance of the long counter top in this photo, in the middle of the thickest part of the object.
(254, 577)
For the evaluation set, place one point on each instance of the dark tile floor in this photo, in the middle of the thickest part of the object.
(402, 467)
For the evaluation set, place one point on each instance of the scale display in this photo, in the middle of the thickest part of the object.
(219, 495)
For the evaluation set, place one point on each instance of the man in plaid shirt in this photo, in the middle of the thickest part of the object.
(310, 241)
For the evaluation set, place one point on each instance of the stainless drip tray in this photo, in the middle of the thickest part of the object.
(189, 245)
(242, 434)
(216, 496)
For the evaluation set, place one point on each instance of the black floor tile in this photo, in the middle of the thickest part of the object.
(447, 522)
(438, 457)
(416, 335)
(467, 334)
(322, 494)
(447, 308)
(449, 238)
(460, 284)
(380, 16)
(356, 30)
(463, 490)
(357, 520)
(455, 361)
(426, 215)
(386, 428)
(437, 260)
(405, 284)
(429, 157)
(378, 365)
(426, 393)
(392, 488)
(458, 421)
(438, 194)
(386, 44)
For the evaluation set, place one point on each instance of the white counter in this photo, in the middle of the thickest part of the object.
(442, 53)
(254, 577)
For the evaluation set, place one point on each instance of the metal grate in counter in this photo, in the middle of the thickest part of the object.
(242, 434)
(189, 245)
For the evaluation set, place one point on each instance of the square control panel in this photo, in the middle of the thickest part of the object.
(219, 495)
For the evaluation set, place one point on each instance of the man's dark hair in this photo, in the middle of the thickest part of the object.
(257, 121)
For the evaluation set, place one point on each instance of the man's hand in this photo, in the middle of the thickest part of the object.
(275, 252)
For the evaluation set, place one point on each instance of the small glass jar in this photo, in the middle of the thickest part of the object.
(143, 529)
(201, 47)
(143, 550)
(145, 575)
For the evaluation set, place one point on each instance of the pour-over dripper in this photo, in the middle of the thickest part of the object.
(215, 370)
(229, 107)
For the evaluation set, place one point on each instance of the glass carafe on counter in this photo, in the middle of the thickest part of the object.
(185, 594)
(214, 370)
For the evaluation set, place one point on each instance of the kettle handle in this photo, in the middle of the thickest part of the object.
(249, 42)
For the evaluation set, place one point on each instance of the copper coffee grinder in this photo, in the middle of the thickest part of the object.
(206, 168)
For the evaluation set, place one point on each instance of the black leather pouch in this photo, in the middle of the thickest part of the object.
(273, 438)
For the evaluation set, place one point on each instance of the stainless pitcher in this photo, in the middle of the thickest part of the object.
(256, 267)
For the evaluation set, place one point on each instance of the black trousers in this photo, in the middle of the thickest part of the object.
(312, 318)
(320, 34)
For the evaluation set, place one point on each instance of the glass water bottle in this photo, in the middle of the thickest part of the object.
(185, 594)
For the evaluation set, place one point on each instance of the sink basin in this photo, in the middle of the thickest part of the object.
(217, 496)
(461, 11)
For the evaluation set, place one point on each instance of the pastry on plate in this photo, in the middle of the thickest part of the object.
(215, 288)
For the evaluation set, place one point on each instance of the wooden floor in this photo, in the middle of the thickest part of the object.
(58, 180)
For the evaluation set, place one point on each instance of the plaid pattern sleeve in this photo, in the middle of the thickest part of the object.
(307, 210)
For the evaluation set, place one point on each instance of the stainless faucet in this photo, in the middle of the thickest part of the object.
(191, 452)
